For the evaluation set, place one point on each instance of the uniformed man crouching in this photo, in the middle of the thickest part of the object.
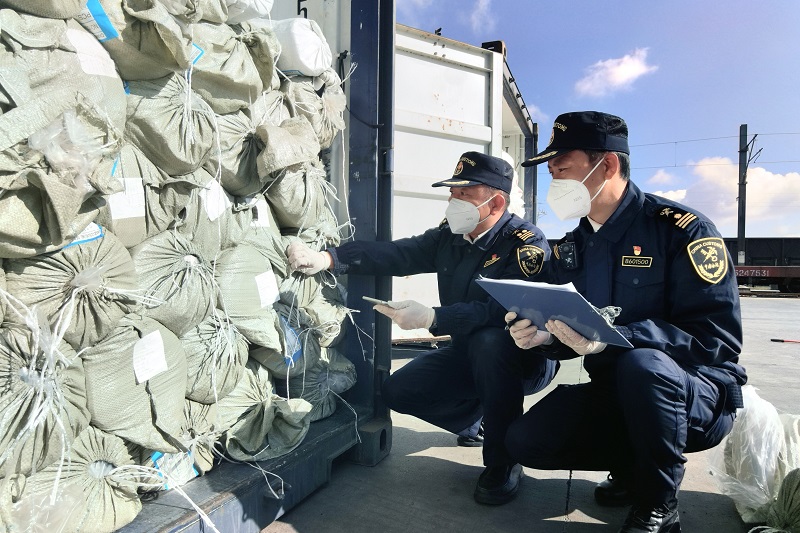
(668, 270)
(482, 374)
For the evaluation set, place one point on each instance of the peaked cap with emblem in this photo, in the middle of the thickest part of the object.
(584, 130)
(475, 168)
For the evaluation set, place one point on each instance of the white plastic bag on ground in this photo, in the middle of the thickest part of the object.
(86, 287)
(304, 50)
(135, 383)
(747, 463)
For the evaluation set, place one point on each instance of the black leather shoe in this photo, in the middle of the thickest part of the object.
(471, 442)
(498, 484)
(663, 519)
(613, 492)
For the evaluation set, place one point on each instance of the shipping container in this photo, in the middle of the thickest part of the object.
(416, 102)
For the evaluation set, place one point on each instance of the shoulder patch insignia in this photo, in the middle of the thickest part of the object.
(523, 234)
(530, 259)
(709, 258)
(682, 220)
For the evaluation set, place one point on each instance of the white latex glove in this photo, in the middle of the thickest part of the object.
(408, 314)
(525, 334)
(303, 259)
(573, 339)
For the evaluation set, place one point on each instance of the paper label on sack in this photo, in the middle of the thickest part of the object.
(130, 202)
(95, 20)
(215, 200)
(92, 232)
(149, 359)
(261, 220)
(93, 58)
(267, 289)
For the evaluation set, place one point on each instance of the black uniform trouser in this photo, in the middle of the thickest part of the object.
(638, 428)
(484, 375)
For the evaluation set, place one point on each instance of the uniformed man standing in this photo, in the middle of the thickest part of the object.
(668, 270)
(482, 373)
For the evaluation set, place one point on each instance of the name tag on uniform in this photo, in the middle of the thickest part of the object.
(637, 261)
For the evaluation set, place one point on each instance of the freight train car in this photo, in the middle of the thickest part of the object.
(769, 262)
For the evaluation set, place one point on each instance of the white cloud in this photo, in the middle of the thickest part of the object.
(771, 199)
(661, 177)
(605, 77)
(482, 18)
(677, 195)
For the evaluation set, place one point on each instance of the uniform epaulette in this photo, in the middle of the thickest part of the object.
(523, 234)
(677, 217)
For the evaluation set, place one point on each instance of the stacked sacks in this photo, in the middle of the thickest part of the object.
(144, 39)
(87, 286)
(215, 354)
(177, 279)
(97, 484)
(43, 403)
(261, 425)
(248, 290)
(136, 383)
(63, 113)
(152, 219)
(125, 213)
(322, 384)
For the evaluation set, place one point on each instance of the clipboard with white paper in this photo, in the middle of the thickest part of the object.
(540, 302)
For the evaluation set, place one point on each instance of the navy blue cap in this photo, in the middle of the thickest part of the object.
(584, 130)
(475, 168)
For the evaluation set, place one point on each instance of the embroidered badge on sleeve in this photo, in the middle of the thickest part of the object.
(709, 258)
(530, 259)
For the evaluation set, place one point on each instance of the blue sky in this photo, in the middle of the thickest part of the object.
(683, 74)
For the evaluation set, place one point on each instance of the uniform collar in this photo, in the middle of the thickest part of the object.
(618, 223)
(485, 241)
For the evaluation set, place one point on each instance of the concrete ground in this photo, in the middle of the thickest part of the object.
(426, 482)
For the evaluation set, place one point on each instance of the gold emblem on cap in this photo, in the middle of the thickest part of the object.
(459, 169)
(542, 156)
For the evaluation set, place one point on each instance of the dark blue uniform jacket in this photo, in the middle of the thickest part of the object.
(668, 269)
(512, 249)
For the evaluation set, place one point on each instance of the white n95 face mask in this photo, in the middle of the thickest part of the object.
(570, 198)
(462, 216)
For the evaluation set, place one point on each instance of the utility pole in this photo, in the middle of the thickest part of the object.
(746, 157)
(742, 191)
